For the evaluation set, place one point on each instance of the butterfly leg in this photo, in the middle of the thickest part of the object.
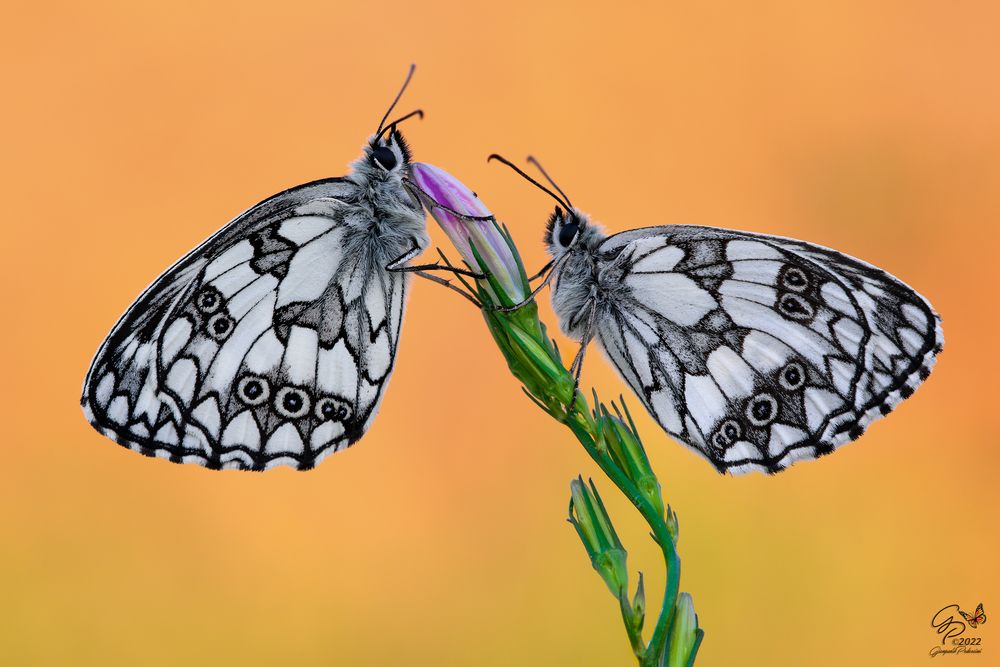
(542, 271)
(447, 283)
(418, 268)
(398, 265)
(576, 368)
(534, 292)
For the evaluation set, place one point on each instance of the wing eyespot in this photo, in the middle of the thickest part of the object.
(793, 278)
(329, 408)
(727, 434)
(208, 300)
(792, 377)
(253, 390)
(795, 307)
(219, 326)
(291, 402)
(762, 409)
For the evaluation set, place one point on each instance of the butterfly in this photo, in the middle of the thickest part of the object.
(755, 351)
(974, 619)
(272, 342)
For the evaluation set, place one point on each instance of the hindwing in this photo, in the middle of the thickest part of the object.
(759, 351)
(271, 343)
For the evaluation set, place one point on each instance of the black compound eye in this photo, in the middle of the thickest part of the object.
(253, 390)
(384, 156)
(291, 402)
(568, 232)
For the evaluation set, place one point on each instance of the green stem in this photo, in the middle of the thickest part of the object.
(660, 533)
(533, 359)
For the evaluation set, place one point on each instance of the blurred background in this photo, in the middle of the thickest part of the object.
(131, 131)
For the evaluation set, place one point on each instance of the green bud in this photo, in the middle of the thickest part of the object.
(634, 616)
(593, 525)
(535, 353)
(672, 525)
(685, 636)
(639, 603)
(628, 453)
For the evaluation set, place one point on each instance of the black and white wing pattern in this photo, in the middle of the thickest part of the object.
(759, 351)
(270, 344)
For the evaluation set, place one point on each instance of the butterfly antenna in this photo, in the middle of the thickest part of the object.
(500, 158)
(422, 195)
(538, 165)
(391, 126)
(409, 75)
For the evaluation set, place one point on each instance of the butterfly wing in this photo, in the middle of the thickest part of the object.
(969, 618)
(980, 614)
(759, 351)
(269, 344)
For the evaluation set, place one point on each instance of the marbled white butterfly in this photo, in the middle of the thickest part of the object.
(756, 351)
(272, 342)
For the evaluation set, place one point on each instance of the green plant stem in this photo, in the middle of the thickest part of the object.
(661, 534)
(534, 359)
(550, 384)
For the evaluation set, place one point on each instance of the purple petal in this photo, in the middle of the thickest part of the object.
(439, 188)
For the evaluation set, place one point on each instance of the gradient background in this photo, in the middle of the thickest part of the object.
(131, 131)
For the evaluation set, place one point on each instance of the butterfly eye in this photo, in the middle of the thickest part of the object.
(568, 232)
(384, 156)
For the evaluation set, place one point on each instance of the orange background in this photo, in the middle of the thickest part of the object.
(131, 131)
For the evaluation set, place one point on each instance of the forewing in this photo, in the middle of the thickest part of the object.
(269, 344)
(759, 351)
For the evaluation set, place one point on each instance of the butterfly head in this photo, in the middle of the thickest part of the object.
(386, 156)
(565, 229)
(570, 231)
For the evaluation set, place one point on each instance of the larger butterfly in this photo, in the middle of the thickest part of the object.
(272, 342)
(755, 351)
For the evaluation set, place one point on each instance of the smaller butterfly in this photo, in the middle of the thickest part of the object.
(272, 342)
(976, 619)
